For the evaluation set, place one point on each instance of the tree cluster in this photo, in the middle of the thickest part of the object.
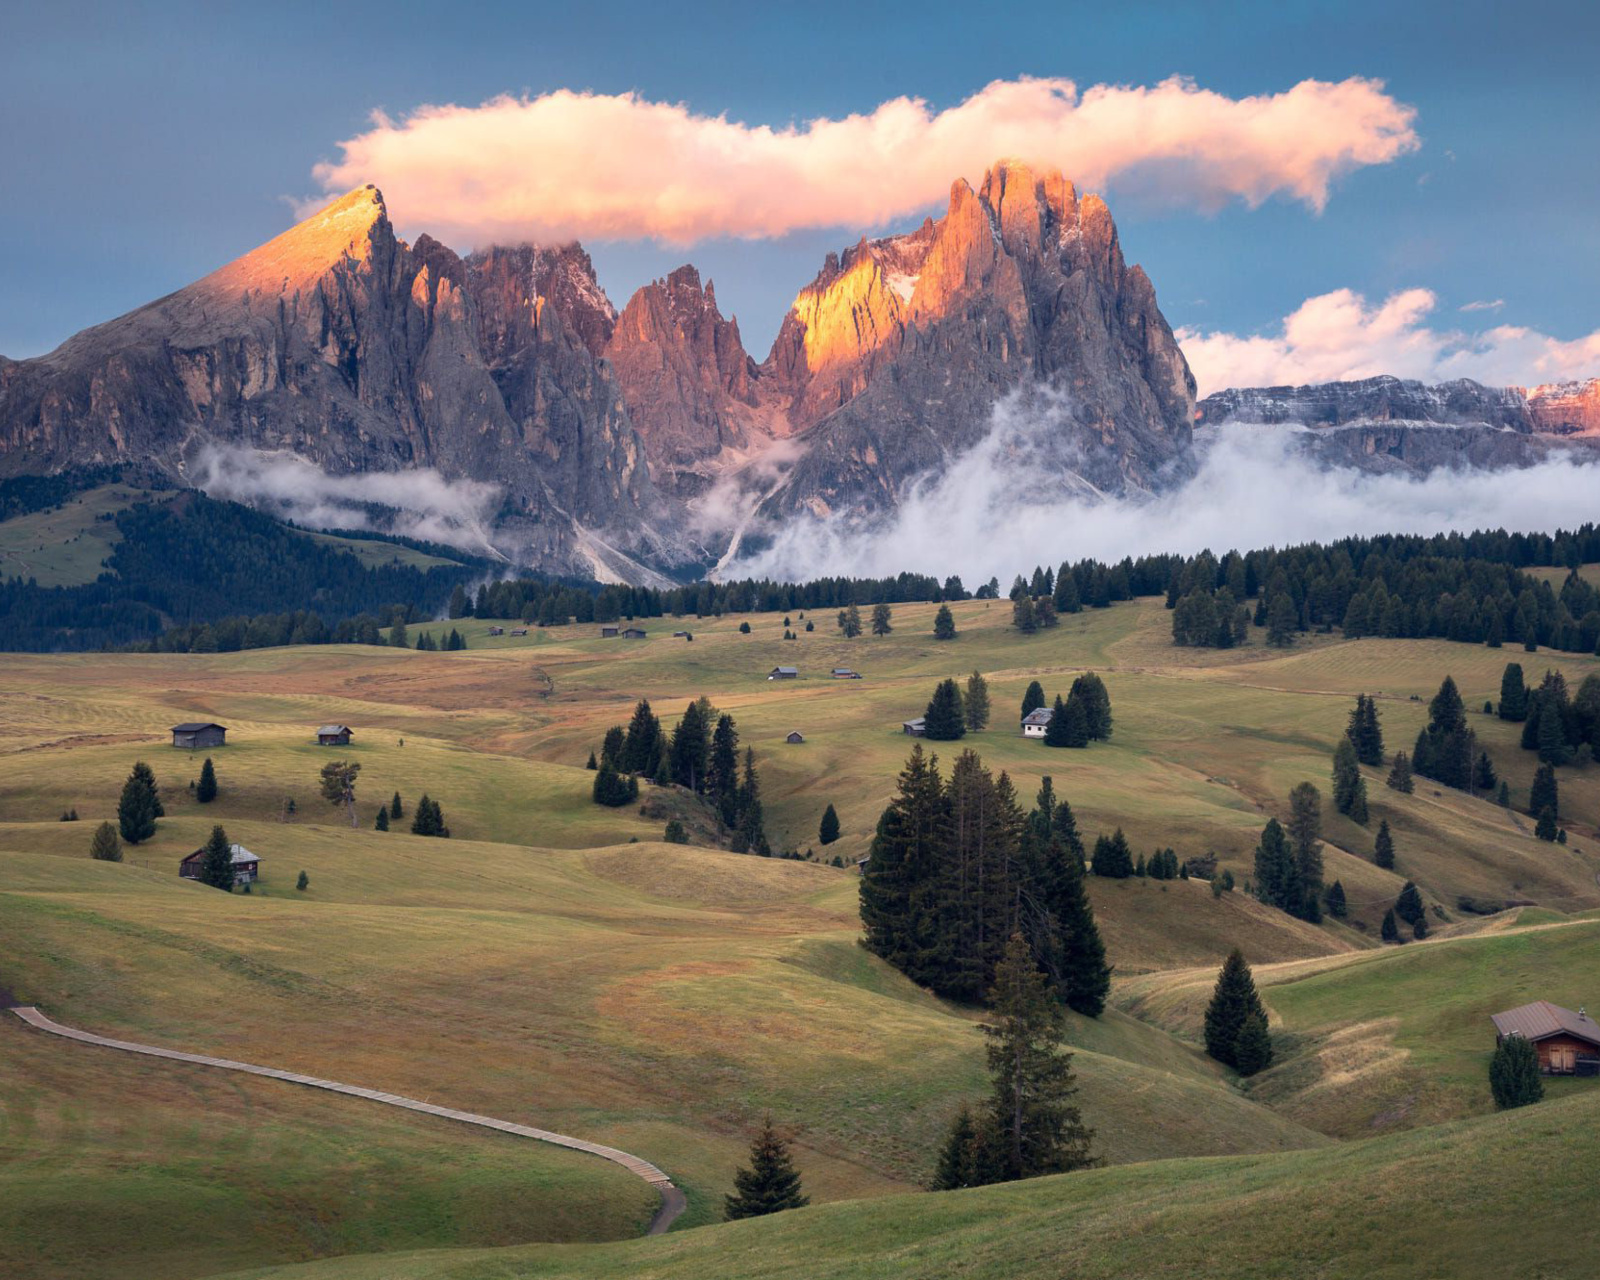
(1288, 860)
(1236, 1021)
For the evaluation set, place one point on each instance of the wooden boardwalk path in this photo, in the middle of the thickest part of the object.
(672, 1199)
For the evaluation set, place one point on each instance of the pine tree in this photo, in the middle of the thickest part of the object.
(136, 810)
(1282, 618)
(1252, 1050)
(1349, 790)
(641, 743)
(1277, 871)
(206, 792)
(1513, 693)
(1067, 599)
(303, 882)
(691, 748)
(1545, 792)
(338, 785)
(944, 624)
(216, 864)
(722, 770)
(592, 764)
(1305, 837)
(1484, 778)
(1552, 740)
(1112, 857)
(945, 719)
(828, 832)
(1365, 732)
(770, 1184)
(1503, 796)
(610, 789)
(1383, 847)
(881, 616)
(1545, 828)
(899, 883)
(1234, 1001)
(1068, 726)
(1038, 1130)
(958, 1158)
(977, 703)
(1408, 906)
(395, 811)
(1022, 615)
(1390, 931)
(1337, 907)
(1446, 749)
(1076, 956)
(1514, 1076)
(106, 847)
(381, 822)
(1032, 698)
(850, 622)
(1090, 689)
(1400, 776)
(675, 833)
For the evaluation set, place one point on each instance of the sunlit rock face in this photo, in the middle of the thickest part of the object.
(1392, 424)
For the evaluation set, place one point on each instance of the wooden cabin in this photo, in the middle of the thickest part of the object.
(497, 631)
(246, 866)
(795, 738)
(1037, 722)
(633, 633)
(609, 631)
(1568, 1043)
(844, 673)
(784, 673)
(519, 631)
(334, 735)
(915, 728)
(196, 734)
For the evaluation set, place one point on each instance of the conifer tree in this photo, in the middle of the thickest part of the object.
(338, 785)
(1252, 1051)
(1545, 828)
(1277, 872)
(1349, 789)
(1037, 1127)
(1390, 931)
(945, 719)
(1282, 618)
(1234, 1001)
(592, 763)
(1079, 955)
(1068, 726)
(1408, 906)
(850, 622)
(1090, 689)
(381, 822)
(722, 770)
(691, 748)
(1365, 731)
(395, 811)
(1513, 693)
(1545, 792)
(944, 624)
(610, 789)
(828, 831)
(1337, 907)
(675, 833)
(1032, 698)
(1112, 857)
(1514, 1076)
(1022, 615)
(1503, 796)
(1383, 847)
(898, 884)
(206, 791)
(976, 704)
(302, 882)
(641, 744)
(216, 863)
(1484, 778)
(1552, 739)
(106, 847)
(881, 615)
(959, 1159)
(770, 1184)
(1305, 837)
(1400, 775)
(136, 810)
(1446, 748)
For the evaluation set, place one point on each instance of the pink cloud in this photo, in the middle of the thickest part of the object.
(1338, 336)
(567, 165)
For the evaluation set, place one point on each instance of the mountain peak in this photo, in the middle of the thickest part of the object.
(346, 228)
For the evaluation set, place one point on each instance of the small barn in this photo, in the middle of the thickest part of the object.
(784, 673)
(246, 866)
(844, 673)
(795, 738)
(519, 631)
(634, 633)
(197, 734)
(1036, 722)
(334, 735)
(497, 631)
(1568, 1043)
(915, 728)
(609, 631)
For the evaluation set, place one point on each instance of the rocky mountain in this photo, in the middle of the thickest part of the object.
(634, 444)
(1390, 424)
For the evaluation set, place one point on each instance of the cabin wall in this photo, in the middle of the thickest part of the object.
(1558, 1054)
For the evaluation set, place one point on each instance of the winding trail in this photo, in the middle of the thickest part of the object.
(672, 1199)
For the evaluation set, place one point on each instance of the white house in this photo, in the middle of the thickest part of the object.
(1036, 722)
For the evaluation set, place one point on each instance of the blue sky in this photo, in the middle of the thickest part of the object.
(143, 149)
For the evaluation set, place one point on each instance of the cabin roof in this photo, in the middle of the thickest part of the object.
(334, 728)
(788, 671)
(1039, 715)
(240, 855)
(1541, 1020)
(917, 723)
(194, 726)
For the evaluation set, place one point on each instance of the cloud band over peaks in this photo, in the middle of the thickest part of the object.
(568, 165)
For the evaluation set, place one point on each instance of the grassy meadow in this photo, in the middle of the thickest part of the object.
(554, 964)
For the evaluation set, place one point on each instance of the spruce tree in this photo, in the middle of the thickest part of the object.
(771, 1183)
(1545, 828)
(722, 770)
(591, 763)
(944, 624)
(1545, 793)
(641, 742)
(610, 789)
(303, 882)
(850, 622)
(1082, 975)
(338, 785)
(1383, 847)
(1032, 698)
(1112, 857)
(1390, 931)
(976, 704)
(136, 810)
(1408, 906)
(945, 719)
(828, 831)
(1514, 1076)
(1023, 617)
(1337, 907)
(1282, 618)
(1065, 732)
(1305, 837)
(1513, 693)
(958, 1158)
(691, 749)
(1252, 1050)
(106, 847)
(1400, 776)
(381, 822)
(899, 883)
(1552, 740)
(1037, 1127)
(395, 811)
(206, 791)
(1484, 778)
(1349, 790)
(881, 615)
(1277, 872)
(1090, 689)
(216, 864)
(1234, 1001)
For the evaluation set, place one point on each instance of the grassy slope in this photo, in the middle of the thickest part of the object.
(1508, 1194)
(1396, 1037)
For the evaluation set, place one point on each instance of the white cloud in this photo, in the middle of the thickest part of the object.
(1493, 305)
(1340, 335)
(1255, 488)
(567, 165)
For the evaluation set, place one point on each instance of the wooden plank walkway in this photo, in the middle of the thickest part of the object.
(672, 1199)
